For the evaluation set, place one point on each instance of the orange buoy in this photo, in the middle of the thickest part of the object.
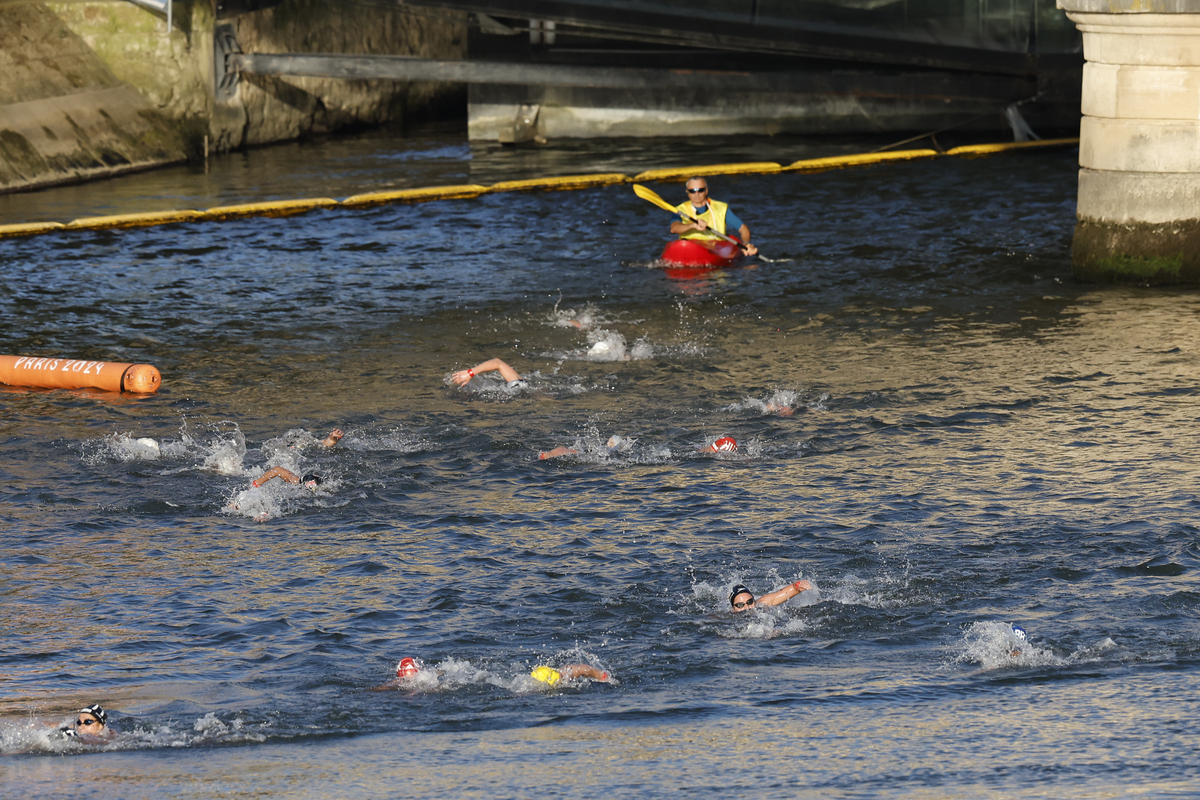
(74, 373)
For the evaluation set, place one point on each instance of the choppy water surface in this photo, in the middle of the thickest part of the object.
(977, 441)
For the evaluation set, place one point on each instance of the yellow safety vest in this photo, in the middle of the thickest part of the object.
(714, 216)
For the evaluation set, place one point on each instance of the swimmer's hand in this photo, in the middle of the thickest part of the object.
(462, 377)
(333, 438)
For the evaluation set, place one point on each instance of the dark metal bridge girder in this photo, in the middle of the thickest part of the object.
(941, 85)
(866, 46)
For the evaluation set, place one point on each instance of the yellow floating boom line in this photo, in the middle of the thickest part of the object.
(283, 208)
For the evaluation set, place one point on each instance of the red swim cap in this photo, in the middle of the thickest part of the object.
(407, 668)
(725, 444)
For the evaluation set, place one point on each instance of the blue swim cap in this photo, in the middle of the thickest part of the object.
(1019, 632)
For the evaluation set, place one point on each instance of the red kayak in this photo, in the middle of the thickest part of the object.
(690, 253)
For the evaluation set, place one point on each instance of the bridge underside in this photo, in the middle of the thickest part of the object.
(544, 69)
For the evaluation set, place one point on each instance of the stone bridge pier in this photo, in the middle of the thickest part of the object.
(1139, 154)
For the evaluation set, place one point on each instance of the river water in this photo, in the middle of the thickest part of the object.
(977, 441)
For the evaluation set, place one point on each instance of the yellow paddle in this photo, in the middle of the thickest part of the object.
(649, 194)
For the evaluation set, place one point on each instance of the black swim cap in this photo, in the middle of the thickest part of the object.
(739, 589)
(96, 711)
(311, 478)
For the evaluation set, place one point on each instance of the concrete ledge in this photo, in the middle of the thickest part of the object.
(1139, 145)
(756, 113)
(1125, 198)
(1160, 40)
(1140, 253)
(78, 136)
(1141, 7)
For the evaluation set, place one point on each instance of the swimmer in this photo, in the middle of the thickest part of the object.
(91, 725)
(406, 673)
(513, 378)
(726, 444)
(782, 409)
(311, 482)
(741, 598)
(1018, 632)
(551, 676)
(613, 444)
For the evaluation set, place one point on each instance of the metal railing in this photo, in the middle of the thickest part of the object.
(162, 6)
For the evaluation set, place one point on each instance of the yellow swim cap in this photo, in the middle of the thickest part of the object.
(547, 675)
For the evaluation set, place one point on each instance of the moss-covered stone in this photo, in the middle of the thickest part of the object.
(1137, 253)
(101, 85)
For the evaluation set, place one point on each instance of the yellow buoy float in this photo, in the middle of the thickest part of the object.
(76, 373)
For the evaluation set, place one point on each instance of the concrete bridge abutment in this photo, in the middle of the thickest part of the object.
(1138, 213)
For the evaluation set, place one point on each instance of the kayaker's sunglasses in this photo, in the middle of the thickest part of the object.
(701, 190)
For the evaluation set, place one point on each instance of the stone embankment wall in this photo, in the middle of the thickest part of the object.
(130, 94)
(64, 116)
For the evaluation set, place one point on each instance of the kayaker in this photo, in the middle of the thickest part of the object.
(711, 214)
(510, 375)
(742, 599)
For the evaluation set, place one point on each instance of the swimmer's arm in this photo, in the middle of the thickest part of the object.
(784, 594)
(583, 671)
(276, 472)
(558, 451)
(333, 438)
(463, 376)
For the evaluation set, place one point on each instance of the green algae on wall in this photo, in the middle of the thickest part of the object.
(1137, 253)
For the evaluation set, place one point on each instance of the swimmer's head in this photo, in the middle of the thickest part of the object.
(741, 598)
(91, 719)
(311, 482)
(726, 444)
(1019, 632)
(547, 675)
(407, 668)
